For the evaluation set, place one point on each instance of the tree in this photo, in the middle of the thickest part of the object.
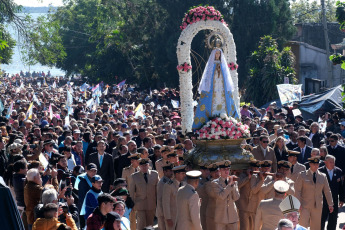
(7, 44)
(253, 19)
(304, 11)
(268, 67)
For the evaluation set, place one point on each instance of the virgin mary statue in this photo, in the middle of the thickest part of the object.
(216, 91)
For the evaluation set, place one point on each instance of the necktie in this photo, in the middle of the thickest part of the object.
(226, 182)
(180, 184)
(314, 178)
(101, 160)
(292, 168)
(330, 175)
(135, 170)
(302, 153)
(145, 177)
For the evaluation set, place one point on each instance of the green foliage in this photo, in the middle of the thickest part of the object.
(253, 19)
(268, 67)
(305, 11)
(7, 44)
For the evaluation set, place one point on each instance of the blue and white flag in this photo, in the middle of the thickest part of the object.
(9, 110)
(289, 93)
(2, 107)
(89, 103)
(69, 101)
(35, 99)
(175, 104)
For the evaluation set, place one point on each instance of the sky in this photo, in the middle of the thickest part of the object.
(38, 3)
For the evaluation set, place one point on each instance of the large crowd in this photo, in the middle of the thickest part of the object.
(121, 163)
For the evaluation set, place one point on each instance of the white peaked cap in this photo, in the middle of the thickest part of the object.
(281, 186)
(193, 174)
(290, 204)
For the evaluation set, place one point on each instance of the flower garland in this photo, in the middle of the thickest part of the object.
(232, 66)
(184, 67)
(201, 13)
(223, 127)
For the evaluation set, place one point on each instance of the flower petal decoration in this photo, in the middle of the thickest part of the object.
(184, 67)
(232, 66)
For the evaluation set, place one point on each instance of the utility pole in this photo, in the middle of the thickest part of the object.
(325, 33)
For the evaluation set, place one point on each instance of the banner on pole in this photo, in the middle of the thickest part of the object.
(289, 93)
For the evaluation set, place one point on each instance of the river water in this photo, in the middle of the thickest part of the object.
(17, 65)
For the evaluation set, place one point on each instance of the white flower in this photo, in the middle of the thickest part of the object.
(223, 116)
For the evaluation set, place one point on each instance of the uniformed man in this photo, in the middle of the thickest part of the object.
(179, 149)
(290, 208)
(225, 192)
(211, 201)
(265, 172)
(268, 213)
(169, 200)
(134, 167)
(296, 167)
(309, 187)
(168, 174)
(245, 204)
(143, 190)
(126, 174)
(188, 203)
(164, 152)
(205, 176)
(173, 158)
(282, 172)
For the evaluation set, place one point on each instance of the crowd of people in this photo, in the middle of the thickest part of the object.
(74, 166)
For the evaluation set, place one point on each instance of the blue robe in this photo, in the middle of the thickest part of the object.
(90, 203)
(204, 110)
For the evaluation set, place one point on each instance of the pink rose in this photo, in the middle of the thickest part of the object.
(204, 17)
(211, 19)
(198, 19)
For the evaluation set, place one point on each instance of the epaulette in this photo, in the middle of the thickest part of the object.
(193, 190)
(170, 182)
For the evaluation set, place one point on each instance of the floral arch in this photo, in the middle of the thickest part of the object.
(197, 19)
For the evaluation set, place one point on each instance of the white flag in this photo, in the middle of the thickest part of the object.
(67, 121)
(50, 111)
(175, 104)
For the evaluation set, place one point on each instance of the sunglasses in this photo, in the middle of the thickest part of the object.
(266, 142)
(331, 140)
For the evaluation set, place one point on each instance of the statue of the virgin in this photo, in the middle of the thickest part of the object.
(215, 89)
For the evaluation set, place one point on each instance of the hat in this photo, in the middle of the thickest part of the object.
(315, 160)
(266, 163)
(96, 178)
(280, 131)
(203, 165)
(91, 166)
(125, 126)
(165, 149)
(254, 163)
(301, 128)
(167, 165)
(105, 128)
(172, 154)
(44, 123)
(299, 116)
(144, 161)
(135, 156)
(290, 204)
(213, 167)
(224, 164)
(48, 142)
(76, 131)
(342, 123)
(98, 134)
(284, 164)
(281, 186)
(180, 168)
(121, 192)
(157, 147)
(114, 216)
(142, 130)
(194, 174)
(276, 127)
(179, 146)
(293, 153)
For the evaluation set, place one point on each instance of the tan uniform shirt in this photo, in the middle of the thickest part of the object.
(160, 185)
(188, 209)
(127, 172)
(144, 194)
(201, 190)
(268, 190)
(256, 195)
(270, 155)
(268, 214)
(310, 193)
(211, 203)
(225, 195)
(297, 168)
(169, 200)
(159, 168)
(244, 187)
